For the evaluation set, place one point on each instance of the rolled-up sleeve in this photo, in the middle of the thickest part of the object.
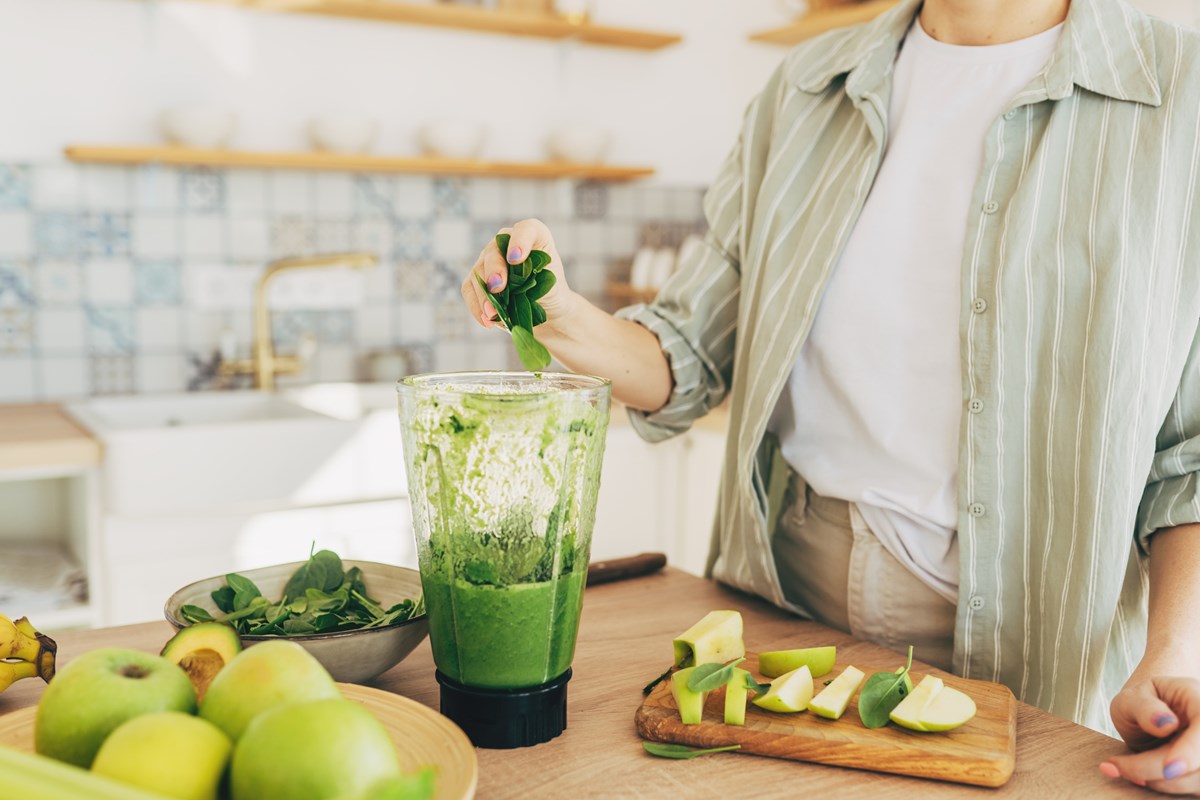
(695, 314)
(1172, 495)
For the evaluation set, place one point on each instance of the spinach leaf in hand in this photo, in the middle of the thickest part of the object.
(882, 692)
(517, 304)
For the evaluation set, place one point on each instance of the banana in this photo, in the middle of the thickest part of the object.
(13, 671)
(21, 640)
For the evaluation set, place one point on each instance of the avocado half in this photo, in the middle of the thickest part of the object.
(202, 650)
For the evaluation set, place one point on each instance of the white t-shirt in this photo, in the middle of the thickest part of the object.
(872, 409)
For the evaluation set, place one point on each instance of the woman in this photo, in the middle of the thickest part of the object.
(949, 292)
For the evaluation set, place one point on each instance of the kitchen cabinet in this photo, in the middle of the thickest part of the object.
(48, 558)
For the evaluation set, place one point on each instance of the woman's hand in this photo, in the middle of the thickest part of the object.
(1160, 718)
(492, 267)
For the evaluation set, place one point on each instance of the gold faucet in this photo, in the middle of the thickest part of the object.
(265, 364)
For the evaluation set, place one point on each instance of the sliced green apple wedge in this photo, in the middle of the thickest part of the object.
(735, 698)
(934, 707)
(819, 660)
(691, 703)
(910, 713)
(832, 701)
(715, 639)
(788, 693)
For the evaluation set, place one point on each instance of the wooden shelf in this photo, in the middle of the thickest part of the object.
(189, 157)
(447, 15)
(825, 19)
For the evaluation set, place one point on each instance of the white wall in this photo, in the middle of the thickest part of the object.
(97, 71)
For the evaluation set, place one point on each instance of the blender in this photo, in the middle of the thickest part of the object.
(503, 472)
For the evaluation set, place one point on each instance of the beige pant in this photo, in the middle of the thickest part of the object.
(832, 566)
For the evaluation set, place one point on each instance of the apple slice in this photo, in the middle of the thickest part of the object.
(716, 639)
(948, 710)
(832, 701)
(735, 698)
(788, 693)
(819, 660)
(910, 712)
(691, 704)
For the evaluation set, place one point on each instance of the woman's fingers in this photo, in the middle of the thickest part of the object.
(1168, 711)
(493, 268)
(526, 236)
(480, 307)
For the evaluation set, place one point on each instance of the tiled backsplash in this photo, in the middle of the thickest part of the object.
(100, 266)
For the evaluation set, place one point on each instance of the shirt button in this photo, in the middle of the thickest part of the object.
(975, 509)
(1012, 112)
(979, 305)
(991, 207)
(976, 602)
(976, 406)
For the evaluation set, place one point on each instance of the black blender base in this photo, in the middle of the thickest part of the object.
(501, 719)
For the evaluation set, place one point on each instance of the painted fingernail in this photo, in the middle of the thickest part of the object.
(494, 281)
(1163, 720)
(514, 255)
(1174, 769)
(1110, 770)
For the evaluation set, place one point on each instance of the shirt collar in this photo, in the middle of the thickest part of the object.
(1107, 47)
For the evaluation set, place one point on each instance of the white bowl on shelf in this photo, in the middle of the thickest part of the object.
(342, 133)
(452, 139)
(578, 145)
(201, 127)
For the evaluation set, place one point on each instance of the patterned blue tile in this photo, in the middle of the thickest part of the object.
(157, 283)
(16, 331)
(14, 186)
(16, 285)
(414, 281)
(450, 197)
(110, 330)
(293, 236)
(413, 240)
(202, 191)
(591, 200)
(373, 196)
(288, 326)
(56, 234)
(57, 283)
(447, 281)
(335, 327)
(105, 235)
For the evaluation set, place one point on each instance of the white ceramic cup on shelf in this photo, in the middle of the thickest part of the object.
(198, 126)
(578, 145)
(448, 138)
(342, 133)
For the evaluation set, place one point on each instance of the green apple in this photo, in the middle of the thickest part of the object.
(417, 786)
(260, 678)
(99, 690)
(819, 660)
(716, 639)
(691, 703)
(933, 707)
(832, 701)
(312, 751)
(174, 754)
(735, 698)
(788, 693)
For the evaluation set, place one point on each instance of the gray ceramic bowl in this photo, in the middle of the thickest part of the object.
(350, 656)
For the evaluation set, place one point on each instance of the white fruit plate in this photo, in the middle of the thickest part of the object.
(421, 735)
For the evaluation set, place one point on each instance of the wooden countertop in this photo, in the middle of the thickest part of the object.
(624, 641)
(43, 435)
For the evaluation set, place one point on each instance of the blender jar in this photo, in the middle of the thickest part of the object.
(503, 472)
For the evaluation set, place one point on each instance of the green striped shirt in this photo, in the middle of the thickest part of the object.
(1079, 312)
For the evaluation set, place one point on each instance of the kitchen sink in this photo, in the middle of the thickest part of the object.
(193, 452)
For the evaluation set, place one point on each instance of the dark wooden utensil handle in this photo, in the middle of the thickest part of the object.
(619, 569)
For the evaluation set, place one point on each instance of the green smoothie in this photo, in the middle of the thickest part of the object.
(503, 478)
(503, 637)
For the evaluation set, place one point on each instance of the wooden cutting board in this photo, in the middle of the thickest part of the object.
(981, 752)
